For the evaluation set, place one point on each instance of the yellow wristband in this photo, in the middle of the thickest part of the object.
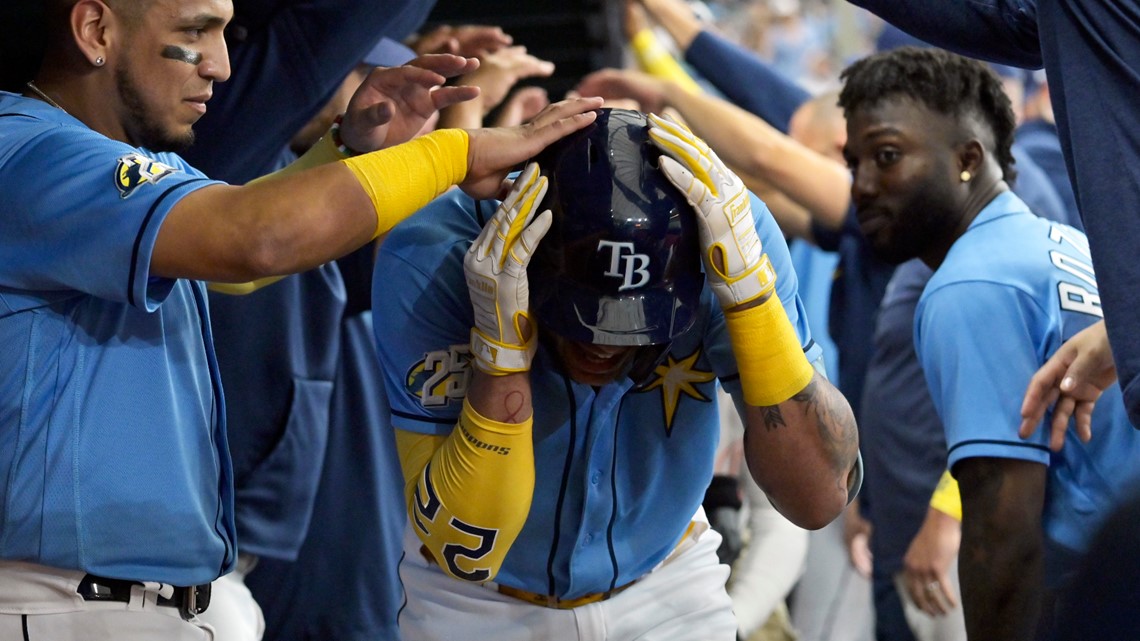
(657, 62)
(768, 354)
(402, 179)
(946, 498)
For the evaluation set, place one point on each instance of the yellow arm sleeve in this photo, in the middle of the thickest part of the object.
(469, 493)
(772, 365)
(946, 498)
(322, 153)
(656, 61)
(402, 179)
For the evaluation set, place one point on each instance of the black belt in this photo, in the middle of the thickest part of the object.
(190, 601)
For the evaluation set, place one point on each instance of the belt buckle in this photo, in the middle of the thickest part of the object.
(195, 601)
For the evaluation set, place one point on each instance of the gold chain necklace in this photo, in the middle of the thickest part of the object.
(31, 85)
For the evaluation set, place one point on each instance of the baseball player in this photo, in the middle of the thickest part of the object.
(114, 471)
(552, 379)
(929, 137)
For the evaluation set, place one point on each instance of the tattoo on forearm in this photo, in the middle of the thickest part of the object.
(181, 54)
(514, 403)
(773, 417)
(836, 424)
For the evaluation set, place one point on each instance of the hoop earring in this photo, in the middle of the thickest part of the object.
(99, 61)
(965, 176)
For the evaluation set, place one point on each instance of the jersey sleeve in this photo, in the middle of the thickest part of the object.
(787, 288)
(82, 213)
(1003, 31)
(422, 315)
(977, 345)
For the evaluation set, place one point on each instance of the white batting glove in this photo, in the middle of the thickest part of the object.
(495, 268)
(724, 214)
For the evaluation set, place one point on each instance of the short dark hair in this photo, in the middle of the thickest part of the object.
(945, 82)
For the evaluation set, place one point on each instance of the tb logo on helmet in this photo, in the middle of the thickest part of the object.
(625, 264)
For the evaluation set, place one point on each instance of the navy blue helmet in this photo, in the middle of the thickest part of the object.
(620, 264)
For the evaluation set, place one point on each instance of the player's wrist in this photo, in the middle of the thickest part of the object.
(771, 362)
(336, 136)
(754, 286)
(499, 358)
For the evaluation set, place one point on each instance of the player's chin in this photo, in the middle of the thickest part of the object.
(593, 371)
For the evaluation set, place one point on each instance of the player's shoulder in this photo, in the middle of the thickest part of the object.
(445, 226)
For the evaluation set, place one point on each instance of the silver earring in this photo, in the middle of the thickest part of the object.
(99, 61)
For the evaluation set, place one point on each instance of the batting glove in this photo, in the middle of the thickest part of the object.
(737, 269)
(495, 267)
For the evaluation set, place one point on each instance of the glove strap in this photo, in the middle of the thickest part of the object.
(753, 284)
(499, 359)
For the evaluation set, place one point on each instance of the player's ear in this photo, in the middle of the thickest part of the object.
(971, 156)
(94, 28)
(87, 21)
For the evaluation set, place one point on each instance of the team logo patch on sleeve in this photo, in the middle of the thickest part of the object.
(135, 170)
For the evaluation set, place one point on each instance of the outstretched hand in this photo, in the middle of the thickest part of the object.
(522, 105)
(393, 103)
(618, 84)
(1071, 381)
(500, 71)
(465, 40)
(493, 152)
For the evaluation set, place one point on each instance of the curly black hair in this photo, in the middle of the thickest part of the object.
(945, 82)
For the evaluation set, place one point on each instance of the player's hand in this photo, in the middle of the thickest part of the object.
(522, 105)
(624, 84)
(736, 267)
(926, 566)
(1071, 381)
(503, 341)
(464, 40)
(493, 152)
(500, 71)
(393, 103)
(857, 539)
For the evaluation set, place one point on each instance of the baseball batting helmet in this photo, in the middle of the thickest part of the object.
(620, 264)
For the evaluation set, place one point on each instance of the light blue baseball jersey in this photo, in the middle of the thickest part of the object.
(619, 471)
(1011, 290)
(113, 456)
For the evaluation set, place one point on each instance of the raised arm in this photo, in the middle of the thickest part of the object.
(800, 438)
(470, 492)
(235, 234)
(747, 143)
